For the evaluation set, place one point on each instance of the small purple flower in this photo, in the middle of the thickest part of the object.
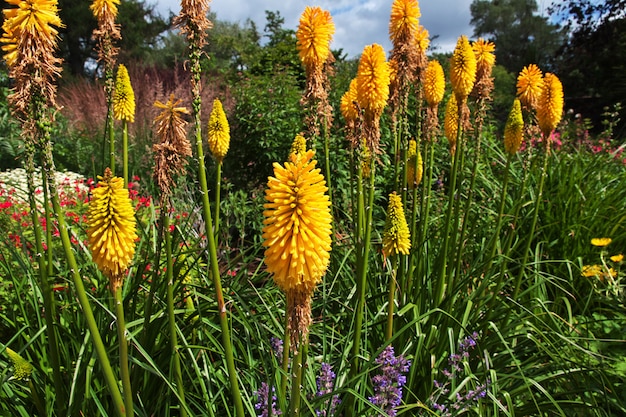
(325, 384)
(263, 405)
(277, 348)
(388, 384)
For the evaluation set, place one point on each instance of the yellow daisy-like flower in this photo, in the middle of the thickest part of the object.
(349, 103)
(514, 129)
(373, 78)
(550, 105)
(111, 231)
(105, 10)
(314, 35)
(123, 96)
(462, 69)
(484, 52)
(434, 83)
(297, 225)
(591, 271)
(218, 131)
(421, 39)
(529, 85)
(404, 20)
(415, 165)
(22, 369)
(396, 237)
(298, 146)
(617, 258)
(451, 122)
(601, 241)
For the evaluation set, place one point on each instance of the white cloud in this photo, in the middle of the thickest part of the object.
(358, 22)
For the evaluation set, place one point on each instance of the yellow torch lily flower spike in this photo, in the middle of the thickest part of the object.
(404, 20)
(485, 60)
(550, 106)
(297, 235)
(514, 129)
(314, 34)
(349, 103)
(451, 122)
(462, 69)
(298, 146)
(373, 77)
(123, 96)
(111, 231)
(218, 131)
(434, 83)
(396, 237)
(529, 84)
(415, 165)
(22, 369)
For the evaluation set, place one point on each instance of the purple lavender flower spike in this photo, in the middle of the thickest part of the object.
(263, 404)
(388, 384)
(325, 384)
(277, 348)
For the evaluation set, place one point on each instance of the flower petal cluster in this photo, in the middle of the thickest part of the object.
(434, 83)
(485, 60)
(29, 42)
(514, 129)
(404, 20)
(298, 146)
(349, 103)
(529, 85)
(111, 231)
(218, 131)
(421, 39)
(325, 383)
(451, 122)
(297, 225)
(264, 404)
(601, 241)
(123, 96)
(22, 369)
(314, 34)
(396, 237)
(462, 69)
(389, 382)
(550, 105)
(173, 147)
(193, 21)
(415, 165)
(373, 76)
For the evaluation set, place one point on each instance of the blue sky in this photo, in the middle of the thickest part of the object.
(358, 22)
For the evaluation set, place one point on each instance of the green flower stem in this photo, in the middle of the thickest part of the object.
(44, 275)
(531, 234)
(420, 248)
(363, 249)
(109, 87)
(326, 134)
(285, 364)
(391, 298)
(123, 349)
(218, 187)
(178, 375)
(101, 352)
(41, 407)
(443, 257)
(206, 206)
(299, 361)
(125, 152)
(496, 234)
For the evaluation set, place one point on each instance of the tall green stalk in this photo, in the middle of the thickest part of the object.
(178, 375)
(44, 274)
(531, 233)
(218, 188)
(209, 230)
(123, 349)
(125, 152)
(299, 361)
(391, 299)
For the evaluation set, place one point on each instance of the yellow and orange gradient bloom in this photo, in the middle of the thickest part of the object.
(529, 85)
(462, 69)
(550, 104)
(111, 231)
(314, 34)
(404, 20)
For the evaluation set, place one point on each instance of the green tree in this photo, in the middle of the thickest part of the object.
(592, 61)
(521, 35)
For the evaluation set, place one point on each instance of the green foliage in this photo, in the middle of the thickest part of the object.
(9, 129)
